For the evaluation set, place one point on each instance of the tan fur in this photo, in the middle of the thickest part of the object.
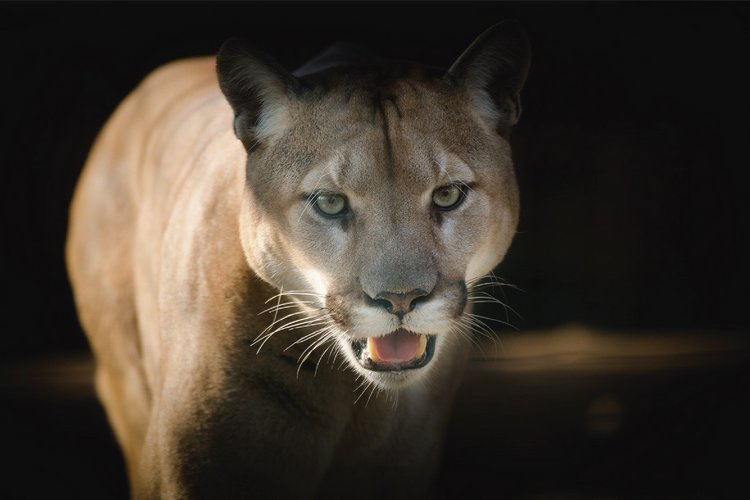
(175, 246)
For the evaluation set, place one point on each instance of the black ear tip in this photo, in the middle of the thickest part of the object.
(511, 30)
(511, 36)
(233, 47)
(508, 26)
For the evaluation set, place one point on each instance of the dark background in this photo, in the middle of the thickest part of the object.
(632, 151)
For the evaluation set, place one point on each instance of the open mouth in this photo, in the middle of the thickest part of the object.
(399, 350)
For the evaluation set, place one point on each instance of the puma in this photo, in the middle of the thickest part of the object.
(275, 270)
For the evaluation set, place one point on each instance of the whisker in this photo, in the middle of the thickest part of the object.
(374, 386)
(485, 331)
(493, 285)
(309, 336)
(485, 298)
(325, 333)
(327, 350)
(505, 297)
(312, 348)
(492, 319)
(277, 324)
(335, 353)
(293, 293)
(482, 328)
(343, 362)
(300, 322)
(395, 399)
(285, 305)
(271, 325)
(293, 325)
(276, 311)
(363, 391)
(290, 315)
(491, 280)
(462, 330)
(361, 383)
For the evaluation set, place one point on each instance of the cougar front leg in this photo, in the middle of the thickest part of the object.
(257, 435)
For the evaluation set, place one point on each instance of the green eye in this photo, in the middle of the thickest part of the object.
(330, 205)
(448, 197)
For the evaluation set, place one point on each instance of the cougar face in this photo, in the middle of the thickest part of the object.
(377, 195)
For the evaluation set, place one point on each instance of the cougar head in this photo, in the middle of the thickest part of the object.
(378, 193)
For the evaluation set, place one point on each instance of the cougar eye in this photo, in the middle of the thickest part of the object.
(329, 204)
(448, 197)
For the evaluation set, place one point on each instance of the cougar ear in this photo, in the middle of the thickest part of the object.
(258, 89)
(493, 69)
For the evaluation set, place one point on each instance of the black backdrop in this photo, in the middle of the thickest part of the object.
(631, 154)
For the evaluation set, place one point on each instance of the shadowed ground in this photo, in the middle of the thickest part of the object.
(565, 413)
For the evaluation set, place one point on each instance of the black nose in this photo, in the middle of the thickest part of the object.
(399, 303)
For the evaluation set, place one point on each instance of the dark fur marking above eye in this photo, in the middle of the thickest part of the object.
(379, 108)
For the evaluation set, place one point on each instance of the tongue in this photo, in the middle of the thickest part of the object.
(399, 346)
